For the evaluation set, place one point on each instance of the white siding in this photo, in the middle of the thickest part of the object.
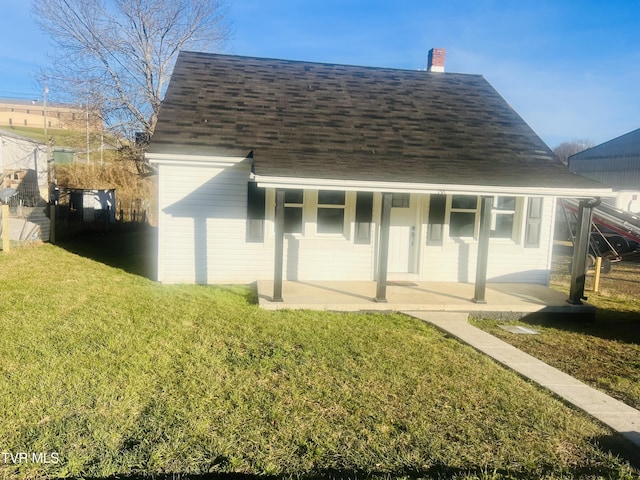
(314, 256)
(202, 233)
(202, 229)
(509, 260)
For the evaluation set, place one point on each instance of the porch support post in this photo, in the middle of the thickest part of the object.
(279, 247)
(581, 250)
(483, 250)
(383, 248)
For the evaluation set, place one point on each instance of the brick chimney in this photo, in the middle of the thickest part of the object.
(436, 60)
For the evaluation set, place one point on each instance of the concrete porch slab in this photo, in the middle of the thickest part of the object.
(417, 296)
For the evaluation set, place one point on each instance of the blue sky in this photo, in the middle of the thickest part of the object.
(570, 68)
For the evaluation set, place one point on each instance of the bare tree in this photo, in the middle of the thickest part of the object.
(119, 54)
(566, 149)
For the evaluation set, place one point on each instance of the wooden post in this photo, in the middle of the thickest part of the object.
(383, 248)
(279, 247)
(6, 238)
(52, 224)
(483, 250)
(596, 280)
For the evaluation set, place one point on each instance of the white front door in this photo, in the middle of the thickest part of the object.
(403, 234)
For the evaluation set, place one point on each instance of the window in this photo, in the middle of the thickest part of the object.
(533, 227)
(364, 217)
(11, 121)
(502, 217)
(331, 211)
(25, 122)
(293, 203)
(462, 219)
(400, 200)
(437, 208)
(255, 213)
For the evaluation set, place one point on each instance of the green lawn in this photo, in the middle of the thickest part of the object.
(604, 353)
(119, 375)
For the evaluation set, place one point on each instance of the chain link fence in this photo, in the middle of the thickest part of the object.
(24, 190)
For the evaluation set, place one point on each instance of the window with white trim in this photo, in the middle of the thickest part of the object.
(462, 216)
(331, 208)
(400, 200)
(293, 207)
(503, 216)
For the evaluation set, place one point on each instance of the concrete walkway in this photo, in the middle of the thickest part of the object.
(613, 413)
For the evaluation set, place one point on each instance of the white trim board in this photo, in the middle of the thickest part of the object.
(368, 186)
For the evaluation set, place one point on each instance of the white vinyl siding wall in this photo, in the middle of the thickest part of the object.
(509, 260)
(202, 233)
(316, 256)
(202, 237)
(202, 225)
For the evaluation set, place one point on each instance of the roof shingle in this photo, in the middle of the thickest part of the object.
(312, 120)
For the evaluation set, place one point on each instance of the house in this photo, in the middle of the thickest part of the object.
(615, 163)
(275, 169)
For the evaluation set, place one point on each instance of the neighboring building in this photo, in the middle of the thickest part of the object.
(615, 163)
(24, 186)
(32, 113)
(23, 164)
(92, 206)
(360, 166)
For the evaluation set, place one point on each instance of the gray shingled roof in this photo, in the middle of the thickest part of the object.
(313, 120)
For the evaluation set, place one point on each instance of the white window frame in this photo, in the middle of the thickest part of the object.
(301, 206)
(516, 227)
(516, 233)
(346, 219)
(450, 209)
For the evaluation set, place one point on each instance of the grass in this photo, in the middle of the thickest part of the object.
(604, 353)
(63, 137)
(119, 376)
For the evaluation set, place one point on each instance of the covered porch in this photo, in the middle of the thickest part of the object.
(501, 298)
